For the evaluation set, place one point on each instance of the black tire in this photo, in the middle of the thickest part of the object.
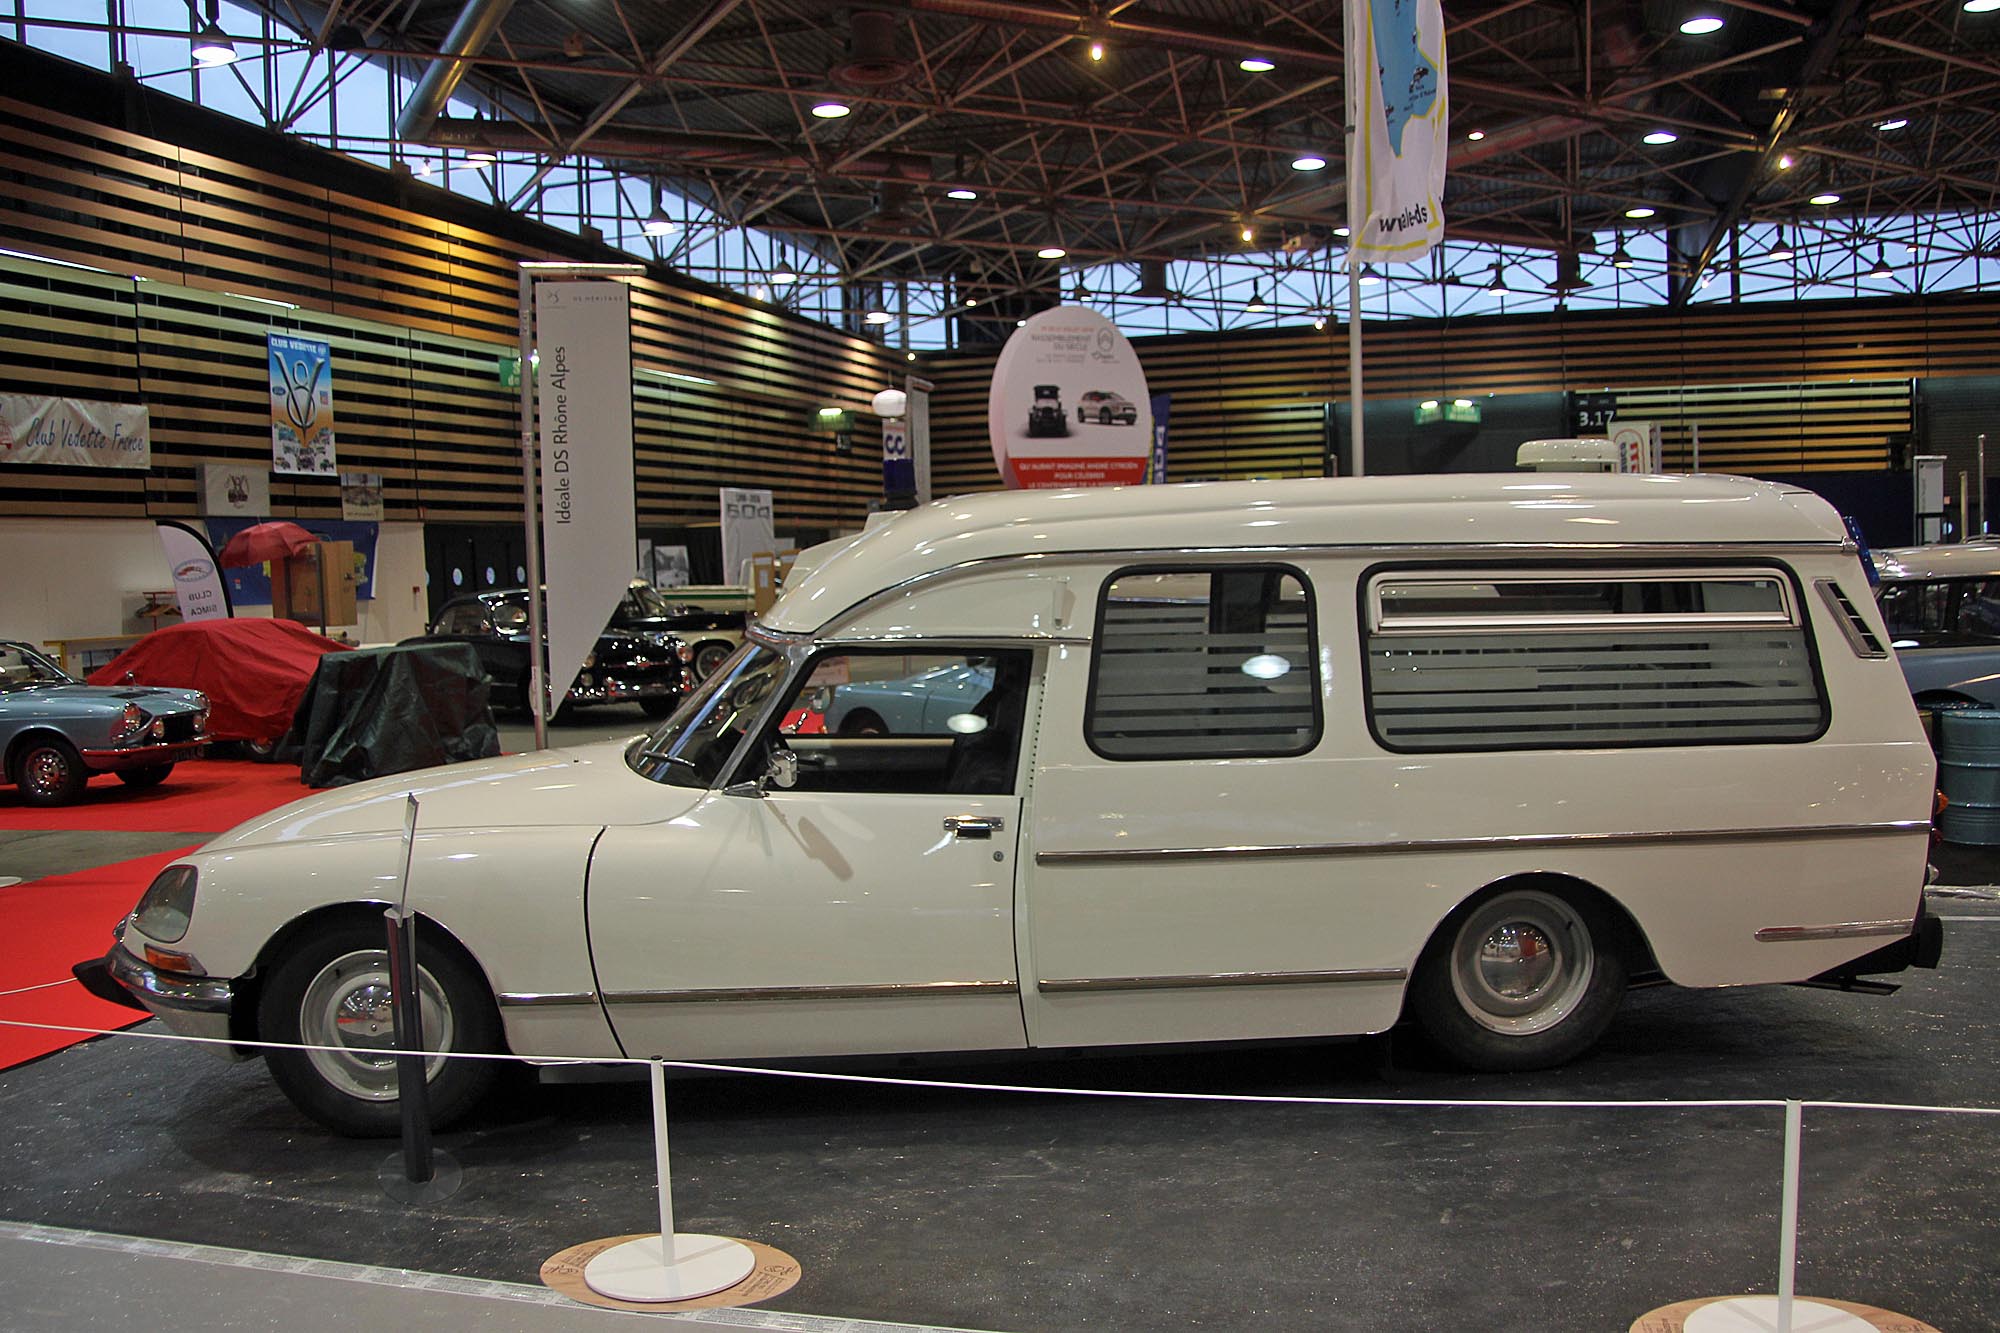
(151, 776)
(49, 771)
(710, 655)
(1521, 978)
(861, 722)
(659, 707)
(1103, 416)
(342, 968)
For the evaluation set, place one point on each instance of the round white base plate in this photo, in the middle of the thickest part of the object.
(1759, 1314)
(701, 1266)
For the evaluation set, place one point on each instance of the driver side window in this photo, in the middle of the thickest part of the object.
(909, 722)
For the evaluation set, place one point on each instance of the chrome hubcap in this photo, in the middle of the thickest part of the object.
(1522, 963)
(347, 1007)
(44, 771)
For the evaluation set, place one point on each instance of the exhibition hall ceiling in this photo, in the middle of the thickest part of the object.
(1171, 129)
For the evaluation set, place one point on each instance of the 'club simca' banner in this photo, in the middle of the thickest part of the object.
(301, 406)
(73, 432)
(1396, 101)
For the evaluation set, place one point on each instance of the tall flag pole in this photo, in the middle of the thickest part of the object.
(1397, 134)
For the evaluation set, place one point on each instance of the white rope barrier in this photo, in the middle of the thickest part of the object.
(46, 985)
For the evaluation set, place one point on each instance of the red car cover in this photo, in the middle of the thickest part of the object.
(253, 671)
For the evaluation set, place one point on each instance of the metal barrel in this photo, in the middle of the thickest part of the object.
(1969, 774)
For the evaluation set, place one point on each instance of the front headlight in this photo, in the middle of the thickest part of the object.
(130, 723)
(167, 906)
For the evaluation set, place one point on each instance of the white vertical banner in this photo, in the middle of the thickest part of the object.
(1396, 100)
(746, 530)
(917, 416)
(589, 518)
(198, 584)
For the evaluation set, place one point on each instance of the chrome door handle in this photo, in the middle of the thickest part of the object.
(973, 826)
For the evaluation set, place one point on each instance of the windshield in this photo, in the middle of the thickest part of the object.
(22, 669)
(691, 747)
(642, 599)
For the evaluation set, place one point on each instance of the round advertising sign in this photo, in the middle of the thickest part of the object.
(1068, 406)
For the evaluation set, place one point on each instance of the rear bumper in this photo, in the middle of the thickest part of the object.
(1922, 947)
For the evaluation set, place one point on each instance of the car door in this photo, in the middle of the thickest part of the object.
(867, 908)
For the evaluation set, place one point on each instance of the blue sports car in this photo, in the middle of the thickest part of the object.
(55, 733)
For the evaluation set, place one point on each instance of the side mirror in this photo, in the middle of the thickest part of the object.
(782, 771)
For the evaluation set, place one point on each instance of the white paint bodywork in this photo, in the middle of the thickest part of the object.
(612, 913)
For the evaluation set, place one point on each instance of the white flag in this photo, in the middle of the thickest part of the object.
(1396, 101)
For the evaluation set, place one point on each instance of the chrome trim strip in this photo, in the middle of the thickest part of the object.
(1844, 616)
(1509, 841)
(1845, 930)
(534, 999)
(1201, 980)
(871, 991)
(199, 995)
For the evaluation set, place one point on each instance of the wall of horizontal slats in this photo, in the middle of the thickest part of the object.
(1802, 387)
(418, 307)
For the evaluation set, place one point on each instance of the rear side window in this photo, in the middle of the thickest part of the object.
(1560, 659)
(1203, 664)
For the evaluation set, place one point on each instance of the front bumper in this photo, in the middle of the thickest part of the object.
(609, 689)
(143, 756)
(191, 1006)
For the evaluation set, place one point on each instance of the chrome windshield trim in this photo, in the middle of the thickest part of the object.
(877, 990)
(1843, 930)
(536, 999)
(1412, 847)
(1206, 980)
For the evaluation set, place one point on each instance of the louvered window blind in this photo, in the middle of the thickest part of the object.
(1464, 661)
(1204, 664)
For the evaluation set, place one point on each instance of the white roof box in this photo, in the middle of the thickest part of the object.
(1586, 455)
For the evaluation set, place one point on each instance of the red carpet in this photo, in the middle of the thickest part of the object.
(201, 796)
(49, 924)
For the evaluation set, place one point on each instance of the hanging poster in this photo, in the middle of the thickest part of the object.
(1069, 406)
(917, 416)
(589, 509)
(73, 432)
(301, 406)
(1398, 106)
(361, 497)
(1638, 445)
(899, 474)
(229, 490)
(747, 530)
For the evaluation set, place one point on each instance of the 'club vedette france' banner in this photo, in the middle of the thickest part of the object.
(589, 520)
(73, 432)
(1396, 98)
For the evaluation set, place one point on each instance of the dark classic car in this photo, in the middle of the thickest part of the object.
(648, 668)
(712, 634)
(56, 733)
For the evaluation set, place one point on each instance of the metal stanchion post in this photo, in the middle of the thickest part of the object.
(1788, 1218)
(1983, 529)
(418, 1173)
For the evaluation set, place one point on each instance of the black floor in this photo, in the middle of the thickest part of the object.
(1011, 1211)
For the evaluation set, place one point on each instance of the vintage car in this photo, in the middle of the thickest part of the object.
(1941, 605)
(924, 696)
(646, 667)
(1045, 415)
(1257, 760)
(711, 634)
(56, 733)
(253, 669)
(1107, 409)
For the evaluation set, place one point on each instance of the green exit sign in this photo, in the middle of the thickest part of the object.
(1460, 410)
(509, 368)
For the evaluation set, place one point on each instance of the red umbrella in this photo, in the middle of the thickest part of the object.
(264, 541)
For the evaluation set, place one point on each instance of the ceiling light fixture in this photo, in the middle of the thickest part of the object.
(877, 317)
(1823, 199)
(1248, 233)
(1369, 277)
(1701, 25)
(1255, 65)
(657, 222)
(831, 110)
(1050, 252)
(1781, 248)
(1308, 162)
(961, 194)
(482, 157)
(1707, 276)
(1981, 6)
(784, 275)
(1620, 256)
(1892, 123)
(1786, 161)
(1658, 137)
(212, 46)
(1096, 51)
(1319, 323)
(1340, 231)
(1255, 305)
(1498, 282)
(1639, 211)
(1881, 269)
(1476, 135)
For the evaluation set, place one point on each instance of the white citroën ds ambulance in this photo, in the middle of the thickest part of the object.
(1161, 764)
